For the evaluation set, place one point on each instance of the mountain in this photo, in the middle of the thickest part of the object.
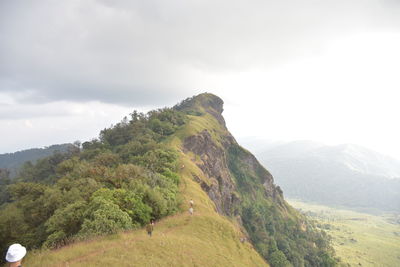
(149, 167)
(358, 159)
(346, 175)
(13, 161)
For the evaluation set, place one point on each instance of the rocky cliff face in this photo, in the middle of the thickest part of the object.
(214, 161)
(214, 165)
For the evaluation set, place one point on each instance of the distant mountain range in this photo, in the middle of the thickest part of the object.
(346, 175)
(13, 161)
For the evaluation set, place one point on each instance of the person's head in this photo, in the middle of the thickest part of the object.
(15, 253)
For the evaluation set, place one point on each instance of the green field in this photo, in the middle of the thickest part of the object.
(359, 239)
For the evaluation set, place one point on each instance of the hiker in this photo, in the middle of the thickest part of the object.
(15, 254)
(191, 210)
(191, 202)
(150, 228)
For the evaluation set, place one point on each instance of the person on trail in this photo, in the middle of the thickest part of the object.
(15, 254)
(150, 228)
(191, 202)
(191, 210)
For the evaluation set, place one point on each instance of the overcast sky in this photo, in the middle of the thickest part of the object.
(323, 70)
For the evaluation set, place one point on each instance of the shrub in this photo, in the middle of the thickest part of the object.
(129, 202)
(104, 217)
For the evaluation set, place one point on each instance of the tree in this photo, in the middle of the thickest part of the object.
(13, 227)
(158, 160)
(278, 259)
(128, 201)
(4, 181)
(64, 223)
(104, 217)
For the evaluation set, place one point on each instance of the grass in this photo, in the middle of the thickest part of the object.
(204, 239)
(197, 124)
(358, 238)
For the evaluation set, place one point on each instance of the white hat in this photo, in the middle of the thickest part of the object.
(15, 253)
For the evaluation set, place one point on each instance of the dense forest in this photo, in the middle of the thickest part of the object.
(119, 181)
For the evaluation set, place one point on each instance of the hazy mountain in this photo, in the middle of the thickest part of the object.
(361, 160)
(12, 161)
(347, 175)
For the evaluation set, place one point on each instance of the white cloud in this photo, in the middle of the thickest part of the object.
(322, 70)
(75, 121)
(348, 94)
(28, 124)
(128, 52)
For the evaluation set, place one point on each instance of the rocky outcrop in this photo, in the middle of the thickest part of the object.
(214, 165)
(215, 106)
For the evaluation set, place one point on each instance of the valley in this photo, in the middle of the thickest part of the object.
(359, 239)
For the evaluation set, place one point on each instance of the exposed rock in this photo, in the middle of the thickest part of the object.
(214, 106)
(214, 165)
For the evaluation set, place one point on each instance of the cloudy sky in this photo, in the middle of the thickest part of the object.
(323, 70)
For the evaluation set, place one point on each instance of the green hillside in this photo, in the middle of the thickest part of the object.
(148, 167)
(13, 161)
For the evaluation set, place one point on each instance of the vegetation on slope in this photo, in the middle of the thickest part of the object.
(131, 175)
(279, 233)
(205, 239)
(117, 182)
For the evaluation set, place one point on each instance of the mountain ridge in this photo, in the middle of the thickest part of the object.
(13, 161)
(230, 188)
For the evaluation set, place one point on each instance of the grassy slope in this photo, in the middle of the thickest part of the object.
(358, 237)
(205, 239)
